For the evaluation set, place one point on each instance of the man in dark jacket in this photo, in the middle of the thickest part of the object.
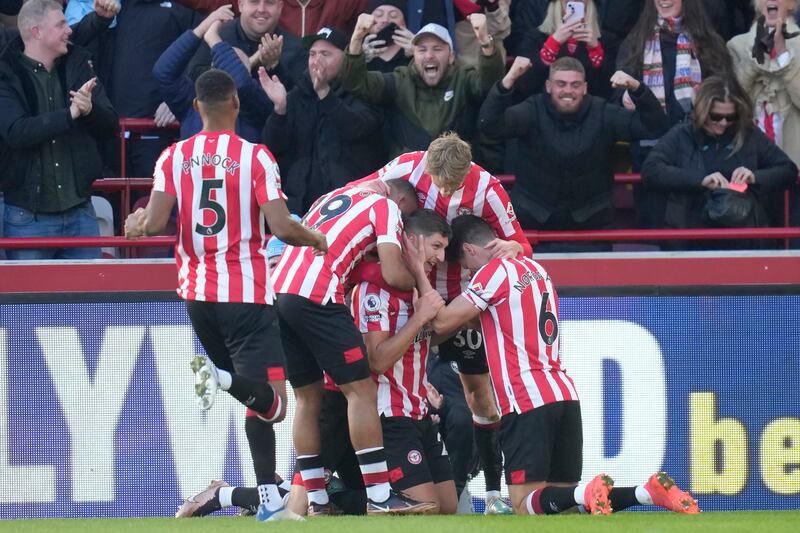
(256, 30)
(322, 136)
(564, 167)
(432, 95)
(53, 113)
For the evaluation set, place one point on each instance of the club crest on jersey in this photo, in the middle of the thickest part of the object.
(372, 303)
(463, 211)
(510, 212)
(477, 287)
(421, 196)
(414, 457)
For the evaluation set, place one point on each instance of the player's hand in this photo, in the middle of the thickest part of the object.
(163, 116)
(743, 175)
(274, 90)
(501, 249)
(621, 80)
(414, 254)
(520, 66)
(377, 186)
(321, 244)
(134, 224)
(427, 306)
(106, 8)
(714, 181)
(434, 398)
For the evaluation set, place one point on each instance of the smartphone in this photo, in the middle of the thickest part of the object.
(575, 11)
(386, 33)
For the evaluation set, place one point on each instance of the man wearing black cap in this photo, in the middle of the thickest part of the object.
(322, 136)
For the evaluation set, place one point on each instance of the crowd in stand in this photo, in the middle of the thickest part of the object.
(542, 89)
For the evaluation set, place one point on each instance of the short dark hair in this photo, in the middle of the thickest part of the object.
(403, 188)
(468, 229)
(426, 222)
(214, 86)
(567, 64)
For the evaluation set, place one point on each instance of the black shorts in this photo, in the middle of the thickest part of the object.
(545, 444)
(415, 453)
(320, 337)
(467, 350)
(239, 337)
(337, 452)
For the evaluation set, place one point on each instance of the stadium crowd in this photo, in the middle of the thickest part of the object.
(287, 106)
(336, 89)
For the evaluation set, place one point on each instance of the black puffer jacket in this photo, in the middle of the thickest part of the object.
(676, 167)
(23, 132)
(323, 144)
(564, 162)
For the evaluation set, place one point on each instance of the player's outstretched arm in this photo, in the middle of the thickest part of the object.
(393, 268)
(152, 219)
(458, 313)
(283, 226)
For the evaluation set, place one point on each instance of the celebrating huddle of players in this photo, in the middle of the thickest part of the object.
(378, 274)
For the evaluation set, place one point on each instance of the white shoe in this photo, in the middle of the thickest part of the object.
(193, 505)
(206, 382)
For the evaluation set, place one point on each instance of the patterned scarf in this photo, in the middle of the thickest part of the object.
(687, 67)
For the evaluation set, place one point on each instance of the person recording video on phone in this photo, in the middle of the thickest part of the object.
(388, 45)
(570, 29)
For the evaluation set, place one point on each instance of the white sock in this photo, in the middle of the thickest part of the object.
(643, 496)
(270, 497)
(580, 490)
(492, 494)
(225, 496)
(224, 379)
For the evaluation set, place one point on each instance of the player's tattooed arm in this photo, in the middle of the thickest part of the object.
(283, 226)
(151, 220)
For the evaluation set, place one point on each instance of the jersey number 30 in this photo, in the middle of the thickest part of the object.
(206, 202)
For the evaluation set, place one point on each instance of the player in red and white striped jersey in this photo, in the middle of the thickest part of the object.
(397, 336)
(541, 429)
(447, 181)
(224, 188)
(318, 333)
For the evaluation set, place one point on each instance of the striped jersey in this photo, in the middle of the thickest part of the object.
(520, 326)
(354, 222)
(401, 389)
(481, 195)
(219, 181)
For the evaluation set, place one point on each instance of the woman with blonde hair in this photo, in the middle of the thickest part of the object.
(565, 32)
(719, 150)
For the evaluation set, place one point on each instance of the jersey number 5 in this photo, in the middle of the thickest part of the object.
(206, 202)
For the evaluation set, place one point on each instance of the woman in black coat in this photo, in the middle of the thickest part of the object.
(719, 149)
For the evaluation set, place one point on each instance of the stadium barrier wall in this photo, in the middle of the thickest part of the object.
(685, 374)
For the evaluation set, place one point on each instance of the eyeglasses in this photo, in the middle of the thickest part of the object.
(718, 117)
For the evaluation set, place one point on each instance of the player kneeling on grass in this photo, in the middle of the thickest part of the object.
(227, 190)
(397, 335)
(540, 429)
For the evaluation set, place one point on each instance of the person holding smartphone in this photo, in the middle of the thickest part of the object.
(571, 28)
(388, 45)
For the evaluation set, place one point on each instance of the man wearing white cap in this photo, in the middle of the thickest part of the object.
(433, 94)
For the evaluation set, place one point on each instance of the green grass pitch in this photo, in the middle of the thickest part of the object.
(721, 522)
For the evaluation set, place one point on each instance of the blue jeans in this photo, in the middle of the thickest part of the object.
(76, 222)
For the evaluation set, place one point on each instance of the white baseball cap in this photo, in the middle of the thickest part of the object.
(435, 30)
